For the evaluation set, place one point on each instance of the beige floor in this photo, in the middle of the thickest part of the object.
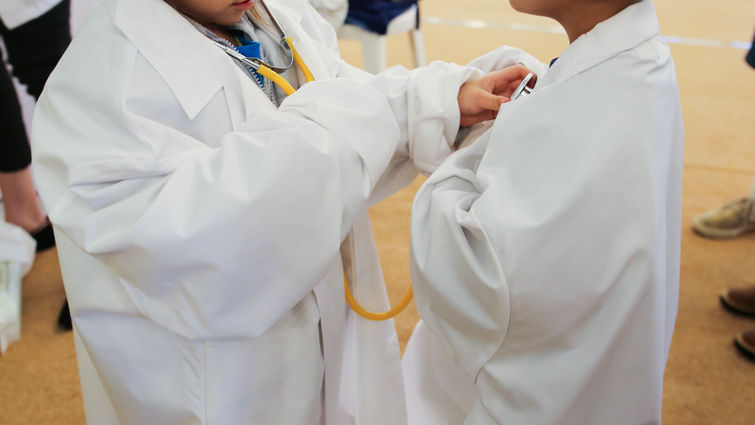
(707, 382)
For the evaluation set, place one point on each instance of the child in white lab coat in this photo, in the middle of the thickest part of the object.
(200, 209)
(545, 256)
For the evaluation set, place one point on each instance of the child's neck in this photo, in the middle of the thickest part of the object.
(584, 16)
(222, 33)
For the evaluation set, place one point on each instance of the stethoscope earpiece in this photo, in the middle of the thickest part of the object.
(523, 90)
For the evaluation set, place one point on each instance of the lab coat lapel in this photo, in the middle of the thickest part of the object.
(151, 25)
(242, 95)
(627, 29)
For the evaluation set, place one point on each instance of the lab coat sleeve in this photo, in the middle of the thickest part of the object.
(212, 242)
(460, 288)
(424, 103)
(424, 100)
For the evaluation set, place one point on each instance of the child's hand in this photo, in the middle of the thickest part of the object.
(479, 100)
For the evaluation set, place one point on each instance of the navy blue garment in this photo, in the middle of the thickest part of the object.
(750, 58)
(33, 49)
(375, 15)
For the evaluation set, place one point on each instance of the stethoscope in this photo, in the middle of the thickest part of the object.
(523, 90)
(272, 72)
(269, 71)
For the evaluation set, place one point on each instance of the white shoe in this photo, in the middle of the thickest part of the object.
(10, 303)
(734, 219)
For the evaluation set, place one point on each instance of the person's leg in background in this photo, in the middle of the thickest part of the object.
(34, 49)
(19, 196)
(734, 219)
(741, 301)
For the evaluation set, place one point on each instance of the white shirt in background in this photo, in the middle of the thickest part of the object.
(15, 13)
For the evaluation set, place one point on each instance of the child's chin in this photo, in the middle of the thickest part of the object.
(230, 18)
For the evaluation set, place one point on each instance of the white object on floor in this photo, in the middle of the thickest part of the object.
(17, 251)
(10, 303)
(374, 48)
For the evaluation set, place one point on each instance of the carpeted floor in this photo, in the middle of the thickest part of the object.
(707, 382)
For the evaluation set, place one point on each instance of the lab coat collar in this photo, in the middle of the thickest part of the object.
(187, 66)
(625, 30)
(153, 25)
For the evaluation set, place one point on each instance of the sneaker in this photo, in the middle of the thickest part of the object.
(731, 220)
(10, 303)
(745, 343)
(740, 300)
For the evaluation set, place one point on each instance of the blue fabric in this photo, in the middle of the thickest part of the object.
(750, 58)
(251, 49)
(375, 15)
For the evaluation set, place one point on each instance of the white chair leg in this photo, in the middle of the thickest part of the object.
(374, 52)
(418, 46)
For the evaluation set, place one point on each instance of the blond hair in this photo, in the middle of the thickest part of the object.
(260, 18)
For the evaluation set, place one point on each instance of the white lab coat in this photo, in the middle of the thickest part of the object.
(545, 256)
(199, 228)
(15, 13)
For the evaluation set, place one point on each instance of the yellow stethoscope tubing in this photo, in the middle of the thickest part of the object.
(369, 315)
(308, 77)
(278, 79)
(289, 90)
(269, 73)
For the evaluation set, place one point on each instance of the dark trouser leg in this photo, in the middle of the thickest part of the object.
(15, 154)
(33, 49)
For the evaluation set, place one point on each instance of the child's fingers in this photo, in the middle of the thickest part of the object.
(470, 120)
(504, 82)
(492, 102)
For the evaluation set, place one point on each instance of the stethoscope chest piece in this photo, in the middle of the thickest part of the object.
(523, 90)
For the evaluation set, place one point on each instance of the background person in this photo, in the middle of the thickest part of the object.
(35, 35)
(734, 219)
